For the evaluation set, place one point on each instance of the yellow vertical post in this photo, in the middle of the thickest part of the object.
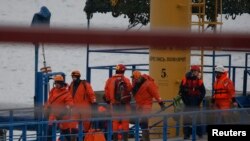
(168, 65)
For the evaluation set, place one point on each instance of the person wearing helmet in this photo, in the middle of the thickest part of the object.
(224, 92)
(192, 92)
(59, 107)
(84, 98)
(118, 96)
(144, 91)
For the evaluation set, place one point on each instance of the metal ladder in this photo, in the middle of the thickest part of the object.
(200, 7)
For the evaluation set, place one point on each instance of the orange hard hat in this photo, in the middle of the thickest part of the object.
(136, 74)
(195, 68)
(76, 73)
(120, 68)
(58, 78)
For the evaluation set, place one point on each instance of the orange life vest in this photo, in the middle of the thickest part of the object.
(192, 86)
(223, 88)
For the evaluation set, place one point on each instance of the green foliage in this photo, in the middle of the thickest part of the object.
(138, 11)
(233, 8)
(94, 6)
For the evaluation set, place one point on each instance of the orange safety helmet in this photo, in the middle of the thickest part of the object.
(195, 68)
(76, 73)
(136, 74)
(120, 68)
(58, 78)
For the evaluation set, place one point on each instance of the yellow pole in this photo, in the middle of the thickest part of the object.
(168, 65)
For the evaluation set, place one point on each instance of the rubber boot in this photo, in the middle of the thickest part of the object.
(125, 136)
(115, 137)
(145, 135)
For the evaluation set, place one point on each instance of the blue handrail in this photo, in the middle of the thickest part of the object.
(241, 113)
(231, 69)
(246, 73)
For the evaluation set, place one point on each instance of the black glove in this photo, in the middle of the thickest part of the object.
(66, 111)
(162, 105)
(108, 102)
(94, 109)
(213, 100)
(94, 106)
(105, 100)
(233, 99)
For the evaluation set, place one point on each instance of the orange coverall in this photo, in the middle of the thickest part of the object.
(223, 97)
(144, 91)
(58, 100)
(109, 95)
(224, 92)
(83, 98)
(145, 94)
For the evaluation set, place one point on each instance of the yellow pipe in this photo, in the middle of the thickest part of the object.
(168, 65)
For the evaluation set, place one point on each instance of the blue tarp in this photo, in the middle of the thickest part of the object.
(243, 101)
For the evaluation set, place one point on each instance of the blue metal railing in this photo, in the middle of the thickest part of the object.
(27, 126)
(246, 73)
(231, 69)
(241, 117)
(120, 50)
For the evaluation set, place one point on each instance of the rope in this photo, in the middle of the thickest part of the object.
(45, 68)
(43, 52)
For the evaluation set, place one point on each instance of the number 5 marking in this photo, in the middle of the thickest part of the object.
(163, 73)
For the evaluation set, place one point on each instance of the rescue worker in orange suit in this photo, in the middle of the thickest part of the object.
(144, 91)
(119, 108)
(59, 107)
(192, 92)
(84, 99)
(224, 92)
